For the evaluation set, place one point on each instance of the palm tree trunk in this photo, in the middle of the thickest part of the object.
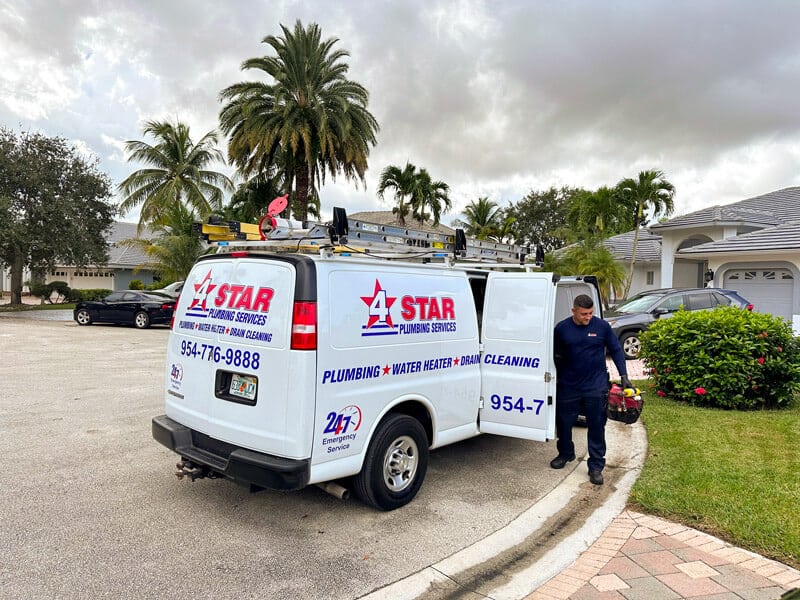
(301, 190)
(639, 211)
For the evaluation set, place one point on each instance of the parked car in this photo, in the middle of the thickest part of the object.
(173, 290)
(632, 317)
(129, 307)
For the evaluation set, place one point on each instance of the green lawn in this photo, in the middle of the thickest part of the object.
(735, 475)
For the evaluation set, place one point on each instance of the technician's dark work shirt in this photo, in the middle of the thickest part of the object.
(580, 356)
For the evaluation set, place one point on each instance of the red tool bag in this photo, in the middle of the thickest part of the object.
(624, 406)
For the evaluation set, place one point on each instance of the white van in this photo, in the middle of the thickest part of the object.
(287, 369)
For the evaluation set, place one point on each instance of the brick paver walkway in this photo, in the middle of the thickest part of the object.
(647, 558)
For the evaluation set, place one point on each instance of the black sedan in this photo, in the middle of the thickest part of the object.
(129, 307)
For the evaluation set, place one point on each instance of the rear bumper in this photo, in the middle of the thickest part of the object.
(238, 464)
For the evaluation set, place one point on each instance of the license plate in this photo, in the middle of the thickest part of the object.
(243, 386)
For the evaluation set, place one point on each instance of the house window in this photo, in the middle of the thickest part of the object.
(650, 277)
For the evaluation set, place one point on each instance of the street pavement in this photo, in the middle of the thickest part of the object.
(579, 541)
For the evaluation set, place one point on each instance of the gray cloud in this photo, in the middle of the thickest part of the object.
(494, 97)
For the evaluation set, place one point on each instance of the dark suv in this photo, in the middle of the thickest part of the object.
(633, 316)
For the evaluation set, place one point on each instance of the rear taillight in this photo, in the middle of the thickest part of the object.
(749, 307)
(304, 326)
(174, 310)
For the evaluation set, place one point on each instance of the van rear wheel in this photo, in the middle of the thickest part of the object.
(395, 465)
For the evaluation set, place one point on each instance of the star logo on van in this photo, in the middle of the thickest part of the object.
(201, 292)
(379, 304)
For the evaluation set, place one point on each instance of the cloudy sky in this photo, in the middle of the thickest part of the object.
(496, 98)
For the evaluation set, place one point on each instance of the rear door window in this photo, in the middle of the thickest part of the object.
(721, 299)
(700, 301)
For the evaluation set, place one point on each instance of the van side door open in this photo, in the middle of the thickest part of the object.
(517, 372)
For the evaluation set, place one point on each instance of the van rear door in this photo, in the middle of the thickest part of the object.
(517, 373)
(231, 372)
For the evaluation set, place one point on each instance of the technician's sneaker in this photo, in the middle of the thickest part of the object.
(596, 477)
(559, 461)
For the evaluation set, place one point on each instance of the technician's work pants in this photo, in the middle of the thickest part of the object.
(594, 408)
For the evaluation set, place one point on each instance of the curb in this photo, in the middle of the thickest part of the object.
(628, 456)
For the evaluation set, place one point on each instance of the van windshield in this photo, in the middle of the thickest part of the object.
(638, 304)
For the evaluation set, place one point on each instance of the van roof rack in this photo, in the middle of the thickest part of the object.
(346, 235)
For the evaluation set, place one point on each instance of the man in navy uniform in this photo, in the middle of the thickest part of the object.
(580, 344)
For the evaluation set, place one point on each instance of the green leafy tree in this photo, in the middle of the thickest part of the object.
(171, 247)
(540, 217)
(403, 183)
(429, 194)
(650, 191)
(177, 173)
(308, 110)
(54, 206)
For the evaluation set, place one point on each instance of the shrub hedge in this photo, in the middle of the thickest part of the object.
(726, 357)
(89, 295)
(55, 292)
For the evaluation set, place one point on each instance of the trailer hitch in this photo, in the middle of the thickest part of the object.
(192, 471)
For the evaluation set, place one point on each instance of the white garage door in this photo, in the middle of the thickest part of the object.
(770, 290)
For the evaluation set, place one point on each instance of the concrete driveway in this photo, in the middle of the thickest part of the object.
(91, 507)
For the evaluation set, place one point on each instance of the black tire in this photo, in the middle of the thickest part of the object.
(82, 317)
(141, 320)
(631, 344)
(395, 465)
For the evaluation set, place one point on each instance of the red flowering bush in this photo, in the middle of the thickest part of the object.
(726, 357)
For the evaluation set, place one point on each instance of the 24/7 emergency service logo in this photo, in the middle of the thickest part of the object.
(418, 314)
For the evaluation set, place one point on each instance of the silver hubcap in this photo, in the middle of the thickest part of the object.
(632, 346)
(83, 317)
(141, 320)
(400, 463)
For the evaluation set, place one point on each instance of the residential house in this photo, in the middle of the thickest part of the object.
(117, 274)
(751, 246)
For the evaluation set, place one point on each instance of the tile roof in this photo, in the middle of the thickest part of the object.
(774, 208)
(120, 255)
(647, 250)
(782, 237)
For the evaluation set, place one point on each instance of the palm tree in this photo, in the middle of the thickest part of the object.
(484, 219)
(309, 111)
(177, 173)
(429, 194)
(604, 212)
(650, 191)
(590, 257)
(251, 199)
(403, 182)
(173, 247)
